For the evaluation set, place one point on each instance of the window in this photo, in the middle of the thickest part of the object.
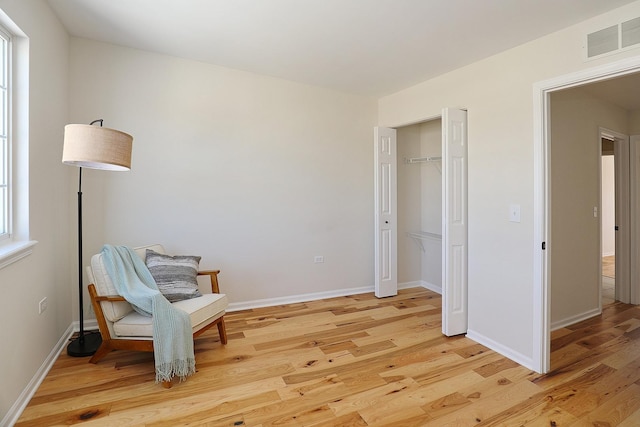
(5, 149)
(14, 143)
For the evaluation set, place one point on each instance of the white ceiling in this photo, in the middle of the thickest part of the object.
(622, 91)
(367, 47)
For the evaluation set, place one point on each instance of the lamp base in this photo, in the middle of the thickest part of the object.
(84, 346)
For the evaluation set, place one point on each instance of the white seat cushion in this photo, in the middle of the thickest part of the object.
(200, 309)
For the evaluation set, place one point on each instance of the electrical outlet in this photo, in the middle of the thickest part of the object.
(42, 305)
(318, 259)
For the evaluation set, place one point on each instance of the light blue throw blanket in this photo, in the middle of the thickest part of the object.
(172, 333)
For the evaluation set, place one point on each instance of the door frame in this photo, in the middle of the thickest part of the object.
(622, 180)
(634, 202)
(541, 356)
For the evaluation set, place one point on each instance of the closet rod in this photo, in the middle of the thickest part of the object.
(422, 159)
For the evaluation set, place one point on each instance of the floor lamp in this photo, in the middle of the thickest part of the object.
(93, 147)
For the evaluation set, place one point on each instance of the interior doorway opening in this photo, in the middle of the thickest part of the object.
(617, 215)
(619, 74)
(608, 219)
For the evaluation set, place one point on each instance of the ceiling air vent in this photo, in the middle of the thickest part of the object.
(615, 38)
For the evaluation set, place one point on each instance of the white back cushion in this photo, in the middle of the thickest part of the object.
(113, 311)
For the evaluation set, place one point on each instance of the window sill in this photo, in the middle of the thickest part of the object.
(15, 251)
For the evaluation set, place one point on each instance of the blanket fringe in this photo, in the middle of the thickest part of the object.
(177, 368)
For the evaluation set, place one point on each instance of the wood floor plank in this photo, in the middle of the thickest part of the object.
(614, 411)
(633, 420)
(357, 361)
(486, 407)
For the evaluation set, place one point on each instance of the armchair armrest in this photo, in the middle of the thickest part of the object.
(112, 298)
(213, 277)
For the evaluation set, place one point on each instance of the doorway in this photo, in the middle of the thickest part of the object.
(545, 217)
(617, 215)
(608, 219)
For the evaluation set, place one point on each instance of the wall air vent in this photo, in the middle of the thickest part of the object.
(630, 32)
(613, 39)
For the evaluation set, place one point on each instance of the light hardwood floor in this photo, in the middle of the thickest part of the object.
(357, 361)
(608, 279)
(609, 266)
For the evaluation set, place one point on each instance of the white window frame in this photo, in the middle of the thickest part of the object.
(15, 244)
(5, 134)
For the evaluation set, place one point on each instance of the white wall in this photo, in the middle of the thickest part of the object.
(498, 93)
(28, 338)
(575, 190)
(255, 174)
(634, 122)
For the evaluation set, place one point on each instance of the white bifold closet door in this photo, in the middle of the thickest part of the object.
(454, 218)
(386, 206)
(454, 222)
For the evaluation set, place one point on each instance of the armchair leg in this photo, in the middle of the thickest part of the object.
(102, 351)
(222, 330)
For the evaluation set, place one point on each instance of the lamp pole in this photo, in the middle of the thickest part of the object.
(84, 344)
(88, 146)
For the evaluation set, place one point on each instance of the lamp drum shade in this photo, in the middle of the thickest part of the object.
(97, 147)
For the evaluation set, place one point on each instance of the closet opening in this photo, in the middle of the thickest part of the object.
(420, 209)
(419, 166)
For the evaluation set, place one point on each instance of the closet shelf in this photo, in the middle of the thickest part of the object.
(419, 236)
(422, 159)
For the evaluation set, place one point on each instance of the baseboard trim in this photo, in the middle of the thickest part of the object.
(558, 324)
(507, 352)
(421, 284)
(18, 406)
(293, 299)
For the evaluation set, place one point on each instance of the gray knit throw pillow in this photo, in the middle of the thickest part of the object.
(174, 275)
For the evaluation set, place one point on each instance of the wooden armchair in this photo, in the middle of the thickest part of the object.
(122, 328)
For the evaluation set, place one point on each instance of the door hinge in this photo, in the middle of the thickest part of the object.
(544, 245)
(616, 228)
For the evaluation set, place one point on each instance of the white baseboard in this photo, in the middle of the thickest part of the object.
(575, 319)
(479, 338)
(270, 302)
(16, 410)
(421, 284)
(507, 352)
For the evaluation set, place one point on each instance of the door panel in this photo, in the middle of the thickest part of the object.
(623, 220)
(454, 222)
(386, 229)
